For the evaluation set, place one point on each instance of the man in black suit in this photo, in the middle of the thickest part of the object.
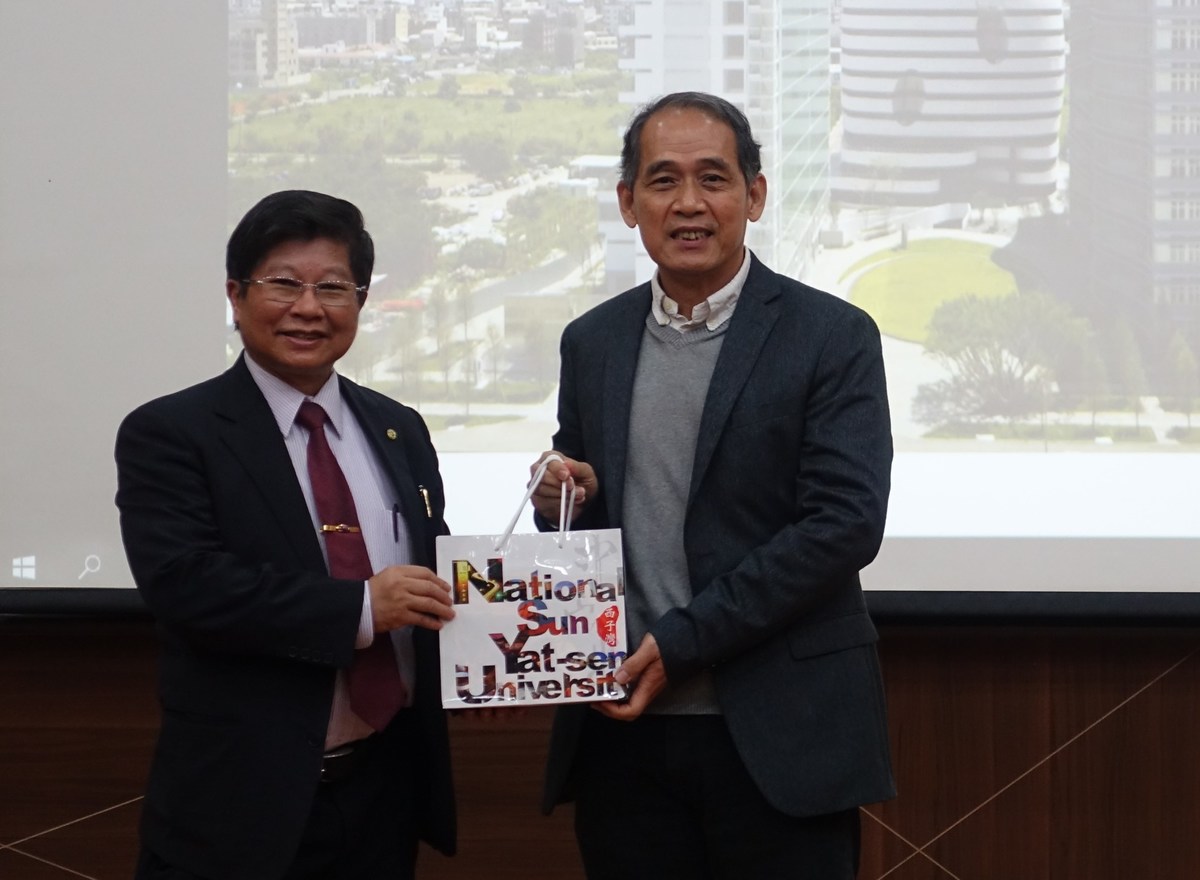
(734, 424)
(267, 766)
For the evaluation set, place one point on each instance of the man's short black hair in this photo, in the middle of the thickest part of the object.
(299, 215)
(717, 108)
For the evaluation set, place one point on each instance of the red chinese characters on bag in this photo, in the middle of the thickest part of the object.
(606, 625)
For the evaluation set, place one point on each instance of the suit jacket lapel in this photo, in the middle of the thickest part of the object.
(624, 344)
(389, 451)
(755, 315)
(252, 436)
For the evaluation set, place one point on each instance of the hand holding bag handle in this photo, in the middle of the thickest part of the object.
(566, 503)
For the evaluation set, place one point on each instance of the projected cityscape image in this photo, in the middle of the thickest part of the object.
(1012, 190)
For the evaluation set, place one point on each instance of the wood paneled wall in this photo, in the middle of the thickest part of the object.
(1021, 752)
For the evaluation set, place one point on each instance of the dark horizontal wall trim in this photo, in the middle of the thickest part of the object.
(886, 606)
(71, 601)
(1031, 608)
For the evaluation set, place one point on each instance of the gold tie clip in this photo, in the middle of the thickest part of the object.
(340, 527)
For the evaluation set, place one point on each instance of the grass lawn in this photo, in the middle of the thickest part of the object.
(578, 126)
(901, 289)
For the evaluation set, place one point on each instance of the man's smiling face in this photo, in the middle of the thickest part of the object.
(691, 203)
(298, 342)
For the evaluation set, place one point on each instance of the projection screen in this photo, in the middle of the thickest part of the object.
(1011, 189)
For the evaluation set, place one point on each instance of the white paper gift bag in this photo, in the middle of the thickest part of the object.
(538, 619)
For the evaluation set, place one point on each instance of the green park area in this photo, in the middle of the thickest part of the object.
(388, 142)
(408, 149)
(506, 117)
(902, 287)
(1021, 365)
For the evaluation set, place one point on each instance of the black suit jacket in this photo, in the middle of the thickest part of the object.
(787, 503)
(223, 552)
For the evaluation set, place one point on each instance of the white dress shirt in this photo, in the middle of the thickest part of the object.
(711, 313)
(383, 527)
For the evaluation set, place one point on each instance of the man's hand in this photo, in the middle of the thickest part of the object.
(643, 673)
(579, 473)
(409, 594)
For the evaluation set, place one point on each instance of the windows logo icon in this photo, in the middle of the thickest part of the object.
(24, 568)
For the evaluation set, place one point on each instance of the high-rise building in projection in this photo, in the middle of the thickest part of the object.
(263, 44)
(1135, 152)
(771, 59)
(950, 101)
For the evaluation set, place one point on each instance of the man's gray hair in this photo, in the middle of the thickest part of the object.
(717, 108)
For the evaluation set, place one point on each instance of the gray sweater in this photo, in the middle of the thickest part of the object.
(669, 389)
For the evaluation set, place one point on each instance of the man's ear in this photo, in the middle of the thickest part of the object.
(233, 292)
(625, 200)
(757, 198)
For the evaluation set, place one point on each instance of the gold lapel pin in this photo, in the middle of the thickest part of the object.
(391, 433)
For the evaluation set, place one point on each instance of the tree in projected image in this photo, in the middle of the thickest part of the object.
(548, 220)
(448, 87)
(1184, 378)
(487, 155)
(1005, 357)
(494, 343)
(1128, 372)
(405, 360)
(401, 223)
(441, 327)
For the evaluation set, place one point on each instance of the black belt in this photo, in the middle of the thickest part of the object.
(337, 764)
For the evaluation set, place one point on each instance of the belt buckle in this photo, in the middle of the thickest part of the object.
(335, 765)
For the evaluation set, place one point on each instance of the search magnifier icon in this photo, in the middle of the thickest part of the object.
(91, 565)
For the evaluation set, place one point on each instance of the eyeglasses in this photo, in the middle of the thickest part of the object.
(334, 294)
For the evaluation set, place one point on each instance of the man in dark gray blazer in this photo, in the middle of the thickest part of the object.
(734, 424)
(265, 767)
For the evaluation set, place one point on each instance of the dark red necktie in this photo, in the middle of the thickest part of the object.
(376, 689)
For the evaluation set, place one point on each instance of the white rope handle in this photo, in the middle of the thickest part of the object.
(566, 503)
